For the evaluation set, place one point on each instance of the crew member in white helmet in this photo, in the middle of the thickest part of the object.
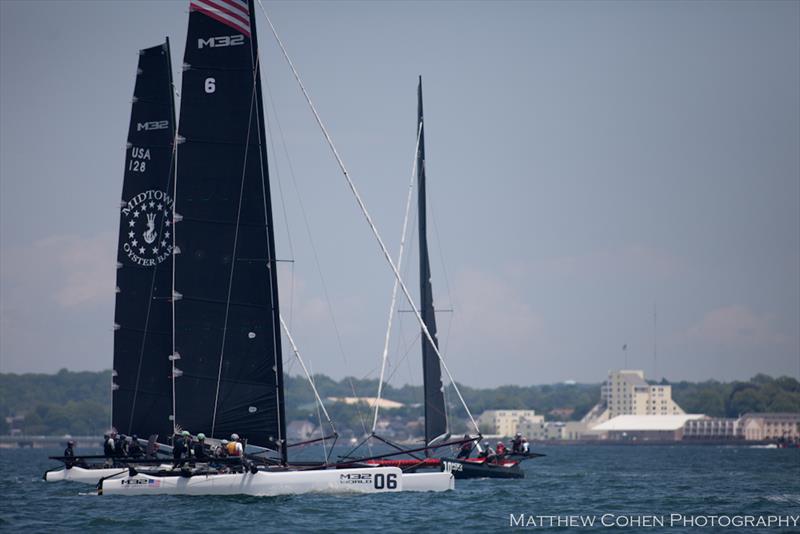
(235, 446)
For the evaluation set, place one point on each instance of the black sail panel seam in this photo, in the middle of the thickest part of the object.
(232, 303)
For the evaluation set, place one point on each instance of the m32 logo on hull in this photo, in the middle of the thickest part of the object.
(356, 478)
(379, 481)
(219, 42)
(152, 125)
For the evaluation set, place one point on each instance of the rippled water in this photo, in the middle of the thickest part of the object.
(570, 480)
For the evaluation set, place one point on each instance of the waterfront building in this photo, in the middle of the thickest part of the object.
(507, 422)
(626, 392)
(645, 427)
(369, 401)
(713, 429)
(770, 426)
(552, 430)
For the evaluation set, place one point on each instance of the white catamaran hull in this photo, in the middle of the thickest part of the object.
(84, 475)
(265, 483)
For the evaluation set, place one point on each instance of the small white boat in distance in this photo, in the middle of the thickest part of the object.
(271, 483)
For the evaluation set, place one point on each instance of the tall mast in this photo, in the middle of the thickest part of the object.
(435, 413)
(273, 266)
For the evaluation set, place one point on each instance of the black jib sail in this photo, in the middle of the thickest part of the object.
(142, 389)
(435, 414)
(227, 329)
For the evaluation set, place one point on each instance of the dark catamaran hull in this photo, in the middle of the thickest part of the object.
(462, 469)
(459, 467)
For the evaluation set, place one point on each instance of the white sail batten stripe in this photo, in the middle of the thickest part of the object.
(305, 370)
(367, 216)
(385, 355)
(218, 8)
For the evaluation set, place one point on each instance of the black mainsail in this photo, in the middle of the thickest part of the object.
(435, 414)
(142, 390)
(227, 325)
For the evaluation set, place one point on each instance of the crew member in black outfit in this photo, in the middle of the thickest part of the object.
(121, 446)
(200, 453)
(180, 449)
(108, 449)
(134, 449)
(466, 448)
(516, 444)
(69, 454)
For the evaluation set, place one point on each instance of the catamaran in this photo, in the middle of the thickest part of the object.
(214, 228)
(437, 434)
(141, 385)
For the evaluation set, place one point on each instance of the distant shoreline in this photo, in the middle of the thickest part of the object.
(43, 442)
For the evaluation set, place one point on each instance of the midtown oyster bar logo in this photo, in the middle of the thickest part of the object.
(147, 225)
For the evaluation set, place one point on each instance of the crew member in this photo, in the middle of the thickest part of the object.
(200, 453)
(180, 449)
(121, 446)
(516, 444)
(69, 454)
(501, 450)
(222, 449)
(466, 448)
(134, 449)
(108, 448)
(235, 446)
(488, 452)
(525, 446)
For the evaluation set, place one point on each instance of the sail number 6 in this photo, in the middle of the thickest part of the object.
(390, 482)
(211, 85)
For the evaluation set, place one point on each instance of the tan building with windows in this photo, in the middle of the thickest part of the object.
(626, 392)
(713, 429)
(770, 426)
(507, 422)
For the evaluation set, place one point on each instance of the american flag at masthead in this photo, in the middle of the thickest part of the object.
(233, 13)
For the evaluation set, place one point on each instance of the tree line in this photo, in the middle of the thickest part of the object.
(79, 403)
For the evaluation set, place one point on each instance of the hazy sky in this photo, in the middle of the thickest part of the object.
(587, 162)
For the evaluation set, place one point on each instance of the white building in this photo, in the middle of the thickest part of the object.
(646, 427)
(369, 401)
(552, 430)
(713, 428)
(507, 422)
(626, 392)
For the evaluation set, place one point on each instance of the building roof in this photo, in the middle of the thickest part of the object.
(773, 416)
(634, 377)
(635, 423)
(370, 401)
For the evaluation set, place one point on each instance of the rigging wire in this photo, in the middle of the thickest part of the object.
(394, 287)
(235, 244)
(366, 214)
(317, 263)
(310, 379)
(270, 137)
